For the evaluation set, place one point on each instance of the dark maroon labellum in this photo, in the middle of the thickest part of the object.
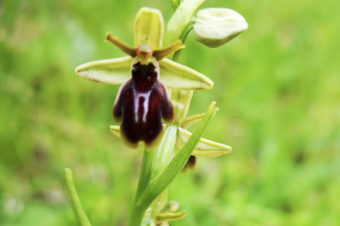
(141, 105)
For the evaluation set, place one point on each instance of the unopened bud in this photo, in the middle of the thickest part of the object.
(215, 26)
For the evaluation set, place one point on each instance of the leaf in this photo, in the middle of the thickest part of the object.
(205, 148)
(77, 208)
(162, 181)
(164, 151)
(111, 71)
(175, 75)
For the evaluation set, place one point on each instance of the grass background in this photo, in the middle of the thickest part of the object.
(278, 90)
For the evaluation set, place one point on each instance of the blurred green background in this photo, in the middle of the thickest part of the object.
(278, 90)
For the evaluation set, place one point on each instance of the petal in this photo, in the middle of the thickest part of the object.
(205, 148)
(188, 121)
(111, 71)
(175, 75)
(148, 28)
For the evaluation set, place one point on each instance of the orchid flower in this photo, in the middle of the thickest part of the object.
(142, 100)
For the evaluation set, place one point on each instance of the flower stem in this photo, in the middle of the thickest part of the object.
(154, 161)
(144, 177)
(137, 215)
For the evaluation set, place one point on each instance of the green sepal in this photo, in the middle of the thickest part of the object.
(111, 71)
(180, 99)
(115, 130)
(188, 121)
(166, 217)
(205, 147)
(180, 19)
(175, 75)
(148, 28)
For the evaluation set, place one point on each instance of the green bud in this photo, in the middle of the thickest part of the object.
(215, 26)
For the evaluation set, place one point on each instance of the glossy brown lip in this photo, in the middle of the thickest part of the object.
(141, 105)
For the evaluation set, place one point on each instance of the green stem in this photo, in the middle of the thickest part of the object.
(145, 173)
(144, 177)
(183, 38)
(77, 208)
(154, 162)
(137, 215)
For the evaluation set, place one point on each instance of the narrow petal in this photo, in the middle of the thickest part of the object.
(148, 28)
(111, 71)
(175, 75)
(191, 120)
(205, 148)
(188, 121)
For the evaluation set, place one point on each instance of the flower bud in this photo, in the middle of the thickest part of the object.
(215, 26)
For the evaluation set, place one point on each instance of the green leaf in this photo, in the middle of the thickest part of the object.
(205, 148)
(77, 208)
(111, 71)
(164, 151)
(175, 75)
(149, 28)
(162, 181)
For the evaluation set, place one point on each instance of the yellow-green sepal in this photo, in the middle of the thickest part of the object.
(115, 130)
(175, 75)
(148, 28)
(167, 217)
(188, 121)
(205, 147)
(111, 71)
(180, 99)
(180, 19)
